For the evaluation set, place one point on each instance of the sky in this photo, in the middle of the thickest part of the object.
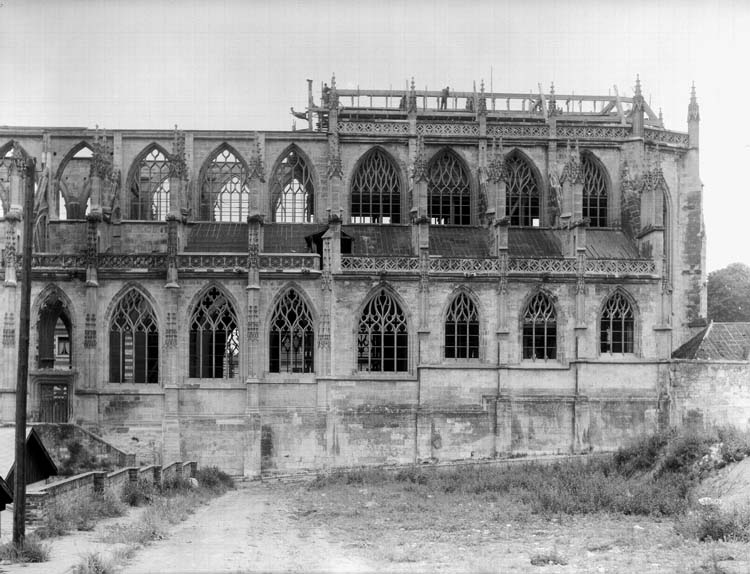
(242, 64)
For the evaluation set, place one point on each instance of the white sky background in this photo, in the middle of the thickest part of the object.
(241, 65)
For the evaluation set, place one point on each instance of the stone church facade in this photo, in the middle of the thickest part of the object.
(416, 276)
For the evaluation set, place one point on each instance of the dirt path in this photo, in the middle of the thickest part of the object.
(251, 529)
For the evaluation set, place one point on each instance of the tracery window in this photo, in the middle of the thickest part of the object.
(292, 336)
(149, 187)
(292, 192)
(539, 329)
(449, 191)
(214, 338)
(521, 193)
(376, 190)
(225, 195)
(74, 186)
(594, 192)
(617, 325)
(462, 329)
(133, 341)
(382, 337)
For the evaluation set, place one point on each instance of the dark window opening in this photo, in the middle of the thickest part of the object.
(214, 345)
(617, 326)
(292, 336)
(539, 329)
(462, 329)
(449, 191)
(133, 342)
(376, 191)
(521, 193)
(594, 193)
(383, 338)
(54, 336)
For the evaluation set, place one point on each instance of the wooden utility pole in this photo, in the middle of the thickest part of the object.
(19, 484)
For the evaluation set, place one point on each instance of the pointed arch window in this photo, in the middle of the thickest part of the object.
(617, 325)
(376, 190)
(149, 187)
(214, 338)
(225, 195)
(292, 190)
(539, 329)
(5, 161)
(292, 336)
(383, 337)
(448, 191)
(133, 341)
(462, 329)
(594, 192)
(74, 186)
(522, 196)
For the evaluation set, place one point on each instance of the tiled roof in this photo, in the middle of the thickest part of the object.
(455, 241)
(379, 239)
(718, 342)
(533, 242)
(610, 244)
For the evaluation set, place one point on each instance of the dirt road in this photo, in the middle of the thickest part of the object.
(246, 530)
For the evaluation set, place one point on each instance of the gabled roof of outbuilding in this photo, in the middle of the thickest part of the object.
(718, 342)
(8, 449)
(6, 496)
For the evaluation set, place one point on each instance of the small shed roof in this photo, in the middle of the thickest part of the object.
(6, 496)
(8, 450)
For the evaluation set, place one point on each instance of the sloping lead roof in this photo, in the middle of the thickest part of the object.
(718, 342)
(380, 239)
(610, 244)
(287, 237)
(456, 241)
(533, 242)
(8, 448)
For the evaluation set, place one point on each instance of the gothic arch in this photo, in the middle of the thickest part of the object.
(5, 174)
(592, 210)
(134, 169)
(362, 204)
(50, 306)
(636, 322)
(205, 209)
(364, 356)
(465, 212)
(530, 352)
(526, 211)
(201, 293)
(313, 175)
(481, 320)
(62, 193)
(121, 293)
(276, 364)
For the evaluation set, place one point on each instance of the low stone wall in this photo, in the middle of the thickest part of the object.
(78, 488)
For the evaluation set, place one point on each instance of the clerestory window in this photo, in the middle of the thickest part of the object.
(594, 192)
(539, 329)
(225, 195)
(149, 186)
(449, 191)
(292, 336)
(214, 338)
(383, 337)
(617, 325)
(133, 341)
(462, 329)
(292, 190)
(522, 196)
(376, 190)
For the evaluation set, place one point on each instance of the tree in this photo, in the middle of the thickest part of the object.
(729, 293)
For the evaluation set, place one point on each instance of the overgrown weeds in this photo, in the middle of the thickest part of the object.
(215, 480)
(63, 517)
(81, 460)
(138, 493)
(94, 563)
(710, 521)
(33, 550)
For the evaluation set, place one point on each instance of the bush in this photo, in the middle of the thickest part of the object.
(175, 485)
(709, 521)
(80, 460)
(138, 493)
(93, 563)
(34, 550)
(214, 479)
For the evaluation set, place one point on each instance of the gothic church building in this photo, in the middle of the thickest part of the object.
(416, 276)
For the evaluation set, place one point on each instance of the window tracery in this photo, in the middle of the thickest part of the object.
(292, 192)
(376, 190)
(133, 341)
(617, 325)
(449, 191)
(74, 186)
(462, 329)
(539, 329)
(149, 187)
(225, 195)
(522, 193)
(594, 192)
(292, 336)
(382, 337)
(214, 338)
